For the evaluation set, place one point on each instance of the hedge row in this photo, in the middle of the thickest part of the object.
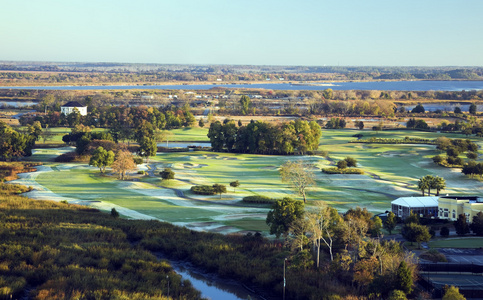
(259, 199)
(203, 189)
(335, 170)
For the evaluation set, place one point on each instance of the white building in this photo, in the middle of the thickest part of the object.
(69, 107)
(422, 206)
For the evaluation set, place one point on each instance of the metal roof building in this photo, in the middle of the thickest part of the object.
(422, 206)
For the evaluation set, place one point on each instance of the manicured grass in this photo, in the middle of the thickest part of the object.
(249, 224)
(396, 169)
(464, 242)
(86, 184)
(193, 134)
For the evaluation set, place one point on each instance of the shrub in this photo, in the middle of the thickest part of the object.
(203, 189)
(141, 172)
(259, 199)
(434, 256)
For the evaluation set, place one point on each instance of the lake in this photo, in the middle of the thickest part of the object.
(378, 85)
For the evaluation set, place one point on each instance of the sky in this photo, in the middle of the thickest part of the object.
(245, 32)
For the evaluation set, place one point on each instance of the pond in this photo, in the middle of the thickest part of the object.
(16, 103)
(449, 107)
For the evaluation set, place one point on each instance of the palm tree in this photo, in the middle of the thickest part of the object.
(425, 183)
(438, 183)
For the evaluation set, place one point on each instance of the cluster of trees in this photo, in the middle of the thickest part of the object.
(453, 148)
(373, 266)
(14, 144)
(417, 124)
(462, 227)
(265, 138)
(335, 123)
(430, 182)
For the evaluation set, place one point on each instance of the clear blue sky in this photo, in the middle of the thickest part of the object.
(260, 32)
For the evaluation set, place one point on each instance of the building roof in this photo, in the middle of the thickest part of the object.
(430, 201)
(73, 104)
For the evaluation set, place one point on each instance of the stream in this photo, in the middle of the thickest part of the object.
(211, 285)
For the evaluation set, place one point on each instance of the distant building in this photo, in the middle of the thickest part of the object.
(450, 207)
(422, 206)
(69, 107)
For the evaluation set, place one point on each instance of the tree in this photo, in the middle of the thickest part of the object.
(477, 224)
(283, 214)
(245, 104)
(298, 175)
(377, 226)
(323, 224)
(102, 159)
(473, 109)
(404, 278)
(423, 184)
(201, 123)
(341, 164)
(390, 222)
(413, 232)
(114, 213)
(147, 147)
(123, 163)
(35, 130)
(457, 110)
(472, 155)
(328, 94)
(167, 174)
(359, 124)
(234, 185)
(437, 183)
(452, 293)
(219, 189)
(351, 162)
(418, 109)
(461, 226)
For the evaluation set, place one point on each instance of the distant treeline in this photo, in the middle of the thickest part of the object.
(101, 73)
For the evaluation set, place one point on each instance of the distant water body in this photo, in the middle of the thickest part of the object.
(376, 85)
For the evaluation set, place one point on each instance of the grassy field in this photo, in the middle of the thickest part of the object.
(464, 242)
(391, 171)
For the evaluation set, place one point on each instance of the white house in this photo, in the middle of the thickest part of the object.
(68, 108)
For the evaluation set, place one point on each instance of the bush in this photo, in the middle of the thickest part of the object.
(342, 171)
(434, 256)
(141, 172)
(259, 199)
(444, 231)
(203, 189)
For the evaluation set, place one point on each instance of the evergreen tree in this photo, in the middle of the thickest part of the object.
(461, 226)
(473, 109)
(404, 279)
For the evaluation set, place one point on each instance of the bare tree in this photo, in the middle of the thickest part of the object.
(323, 223)
(297, 174)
